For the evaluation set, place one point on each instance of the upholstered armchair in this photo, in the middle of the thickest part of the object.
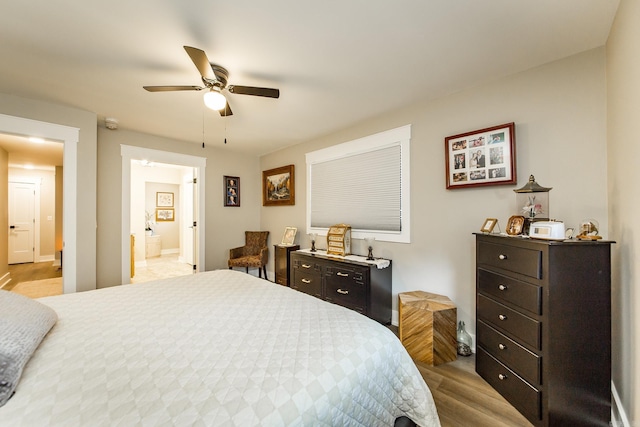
(255, 252)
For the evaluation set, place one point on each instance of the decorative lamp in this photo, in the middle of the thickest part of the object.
(369, 241)
(214, 99)
(313, 237)
(532, 202)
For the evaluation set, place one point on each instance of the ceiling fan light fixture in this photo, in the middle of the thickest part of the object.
(215, 100)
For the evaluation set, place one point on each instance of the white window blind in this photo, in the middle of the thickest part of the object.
(364, 183)
(362, 190)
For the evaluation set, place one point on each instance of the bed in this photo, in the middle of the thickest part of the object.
(216, 348)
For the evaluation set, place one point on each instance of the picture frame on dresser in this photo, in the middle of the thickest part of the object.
(289, 236)
(515, 225)
(488, 225)
(481, 157)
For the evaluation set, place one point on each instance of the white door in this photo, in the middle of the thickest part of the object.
(21, 222)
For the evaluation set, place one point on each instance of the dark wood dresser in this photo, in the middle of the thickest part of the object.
(543, 327)
(281, 262)
(359, 286)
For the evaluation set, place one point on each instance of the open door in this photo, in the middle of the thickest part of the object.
(21, 222)
(189, 225)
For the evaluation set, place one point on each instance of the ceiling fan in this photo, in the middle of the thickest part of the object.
(214, 78)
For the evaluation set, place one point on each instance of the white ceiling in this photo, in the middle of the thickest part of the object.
(335, 62)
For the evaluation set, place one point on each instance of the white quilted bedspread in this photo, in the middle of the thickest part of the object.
(219, 348)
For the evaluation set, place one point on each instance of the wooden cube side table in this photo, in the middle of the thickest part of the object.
(428, 327)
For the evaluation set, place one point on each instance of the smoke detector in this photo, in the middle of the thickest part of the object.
(111, 123)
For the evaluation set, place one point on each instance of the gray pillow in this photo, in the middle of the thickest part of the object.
(23, 324)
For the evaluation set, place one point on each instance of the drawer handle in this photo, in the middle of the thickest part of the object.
(342, 274)
(502, 377)
(307, 281)
(306, 266)
(502, 317)
(502, 346)
(502, 257)
(340, 291)
(502, 287)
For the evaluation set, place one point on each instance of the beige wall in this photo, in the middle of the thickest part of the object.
(86, 167)
(4, 216)
(224, 226)
(623, 88)
(559, 111)
(46, 180)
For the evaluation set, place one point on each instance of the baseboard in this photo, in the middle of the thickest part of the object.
(46, 258)
(618, 415)
(4, 280)
(170, 251)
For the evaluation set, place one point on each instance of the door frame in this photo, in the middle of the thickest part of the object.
(129, 153)
(69, 136)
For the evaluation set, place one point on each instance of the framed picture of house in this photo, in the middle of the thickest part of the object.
(165, 214)
(164, 200)
(278, 186)
(231, 191)
(481, 157)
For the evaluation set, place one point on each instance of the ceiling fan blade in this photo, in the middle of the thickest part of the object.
(170, 88)
(226, 111)
(201, 62)
(256, 91)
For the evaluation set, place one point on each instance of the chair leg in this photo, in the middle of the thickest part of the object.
(247, 270)
(264, 268)
(259, 272)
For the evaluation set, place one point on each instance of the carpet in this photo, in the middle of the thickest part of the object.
(39, 288)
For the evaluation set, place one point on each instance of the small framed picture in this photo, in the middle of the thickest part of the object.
(231, 191)
(289, 236)
(515, 225)
(165, 214)
(164, 200)
(488, 225)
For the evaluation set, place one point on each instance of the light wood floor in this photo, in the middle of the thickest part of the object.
(31, 271)
(463, 398)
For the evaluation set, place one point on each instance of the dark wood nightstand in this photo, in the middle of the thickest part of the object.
(281, 261)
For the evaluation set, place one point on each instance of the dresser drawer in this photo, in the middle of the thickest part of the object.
(519, 260)
(518, 392)
(509, 352)
(306, 276)
(346, 287)
(521, 327)
(524, 295)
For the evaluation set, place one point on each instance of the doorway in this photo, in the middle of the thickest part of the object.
(198, 164)
(69, 136)
(162, 206)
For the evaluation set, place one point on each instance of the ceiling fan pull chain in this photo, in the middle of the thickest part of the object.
(202, 128)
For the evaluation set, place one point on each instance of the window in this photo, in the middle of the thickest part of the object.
(363, 183)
